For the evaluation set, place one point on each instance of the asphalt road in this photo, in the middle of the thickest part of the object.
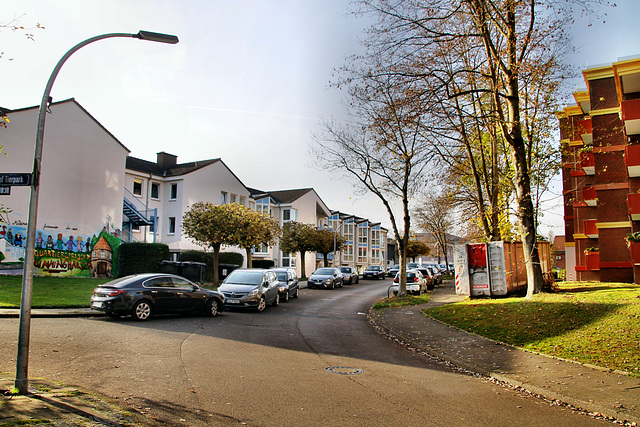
(313, 361)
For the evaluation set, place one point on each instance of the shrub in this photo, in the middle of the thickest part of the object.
(134, 258)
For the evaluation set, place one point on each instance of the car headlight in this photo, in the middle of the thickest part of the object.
(253, 293)
(282, 288)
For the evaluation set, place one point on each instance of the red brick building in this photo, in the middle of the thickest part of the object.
(600, 140)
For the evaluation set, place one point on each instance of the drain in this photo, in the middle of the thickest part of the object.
(344, 370)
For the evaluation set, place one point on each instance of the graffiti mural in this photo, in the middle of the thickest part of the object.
(63, 250)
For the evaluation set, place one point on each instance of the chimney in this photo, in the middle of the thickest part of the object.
(166, 160)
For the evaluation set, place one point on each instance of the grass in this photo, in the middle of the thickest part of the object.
(393, 302)
(49, 292)
(595, 323)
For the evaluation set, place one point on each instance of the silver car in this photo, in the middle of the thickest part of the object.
(251, 288)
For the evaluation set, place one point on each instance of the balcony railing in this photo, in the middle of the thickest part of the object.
(630, 113)
(589, 196)
(585, 131)
(632, 159)
(633, 203)
(590, 228)
(588, 163)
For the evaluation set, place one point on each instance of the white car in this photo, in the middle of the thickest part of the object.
(416, 283)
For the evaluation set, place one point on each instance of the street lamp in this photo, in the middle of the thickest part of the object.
(22, 363)
(337, 230)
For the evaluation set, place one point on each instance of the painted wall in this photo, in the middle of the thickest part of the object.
(81, 186)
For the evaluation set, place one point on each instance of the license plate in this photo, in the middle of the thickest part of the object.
(96, 304)
(233, 301)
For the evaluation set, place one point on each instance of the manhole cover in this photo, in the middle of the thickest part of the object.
(344, 370)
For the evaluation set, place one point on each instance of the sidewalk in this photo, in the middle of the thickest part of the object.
(588, 388)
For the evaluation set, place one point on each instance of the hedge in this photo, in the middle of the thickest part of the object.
(135, 258)
(207, 258)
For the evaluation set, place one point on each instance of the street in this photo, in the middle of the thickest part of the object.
(315, 360)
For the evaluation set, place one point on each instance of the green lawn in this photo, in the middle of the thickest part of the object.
(49, 292)
(596, 323)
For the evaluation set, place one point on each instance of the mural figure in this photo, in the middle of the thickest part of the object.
(59, 242)
(70, 244)
(88, 245)
(10, 236)
(17, 240)
(79, 242)
(39, 240)
(49, 244)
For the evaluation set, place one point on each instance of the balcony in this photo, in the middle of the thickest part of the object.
(590, 228)
(630, 113)
(632, 160)
(588, 163)
(589, 196)
(633, 203)
(585, 131)
(592, 259)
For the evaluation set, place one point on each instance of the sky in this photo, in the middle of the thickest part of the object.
(248, 82)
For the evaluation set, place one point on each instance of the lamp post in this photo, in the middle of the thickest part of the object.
(22, 362)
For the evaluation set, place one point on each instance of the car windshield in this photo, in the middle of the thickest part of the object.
(396, 267)
(244, 277)
(324, 271)
(345, 269)
(282, 275)
(373, 267)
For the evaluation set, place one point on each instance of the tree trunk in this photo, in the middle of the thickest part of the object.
(216, 263)
(303, 269)
(249, 257)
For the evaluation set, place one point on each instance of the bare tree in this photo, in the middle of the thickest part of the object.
(383, 149)
(434, 217)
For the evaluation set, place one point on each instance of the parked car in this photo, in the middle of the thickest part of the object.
(325, 277)
(251, 288)
(142, 295)
(350, 275)
(426, 273)
(412, 265)
(288, 283)
(393, 270)
(437, 275)
(374, 272)
(416, 283)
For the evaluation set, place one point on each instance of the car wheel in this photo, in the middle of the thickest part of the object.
(341, 283)
(286, 297)
(142, 310)
(213, 308)
(276, 301)
(357, 281)
(332, 285)
(295, 293)
(262, 304)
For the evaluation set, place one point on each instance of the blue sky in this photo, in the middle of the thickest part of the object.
(248, 81)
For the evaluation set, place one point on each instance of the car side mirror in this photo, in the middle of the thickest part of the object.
(265, 283)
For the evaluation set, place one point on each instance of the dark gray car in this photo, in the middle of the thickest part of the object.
(350, 275)
(251, 288)
(142, 295)
(288, 283)
(325, 277)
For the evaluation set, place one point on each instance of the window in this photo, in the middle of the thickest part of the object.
(288, 260)
(362, 254)
(135, 228)
(223, 197)
(261, 249)
(155, 190)
(172, 225)
(263, 207)
(137, 187)
(233, 198)
(347, 253)
(242, 200)
(289, 215)
(174, 192)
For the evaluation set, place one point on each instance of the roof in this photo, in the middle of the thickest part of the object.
(72, 100)
(558, 243)
(145, 166)
(280, 196)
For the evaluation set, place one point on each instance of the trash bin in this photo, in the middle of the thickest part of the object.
(194, 271)
(225, 269)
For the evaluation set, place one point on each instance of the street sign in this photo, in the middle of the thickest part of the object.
(12, 179)
(5, 190)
